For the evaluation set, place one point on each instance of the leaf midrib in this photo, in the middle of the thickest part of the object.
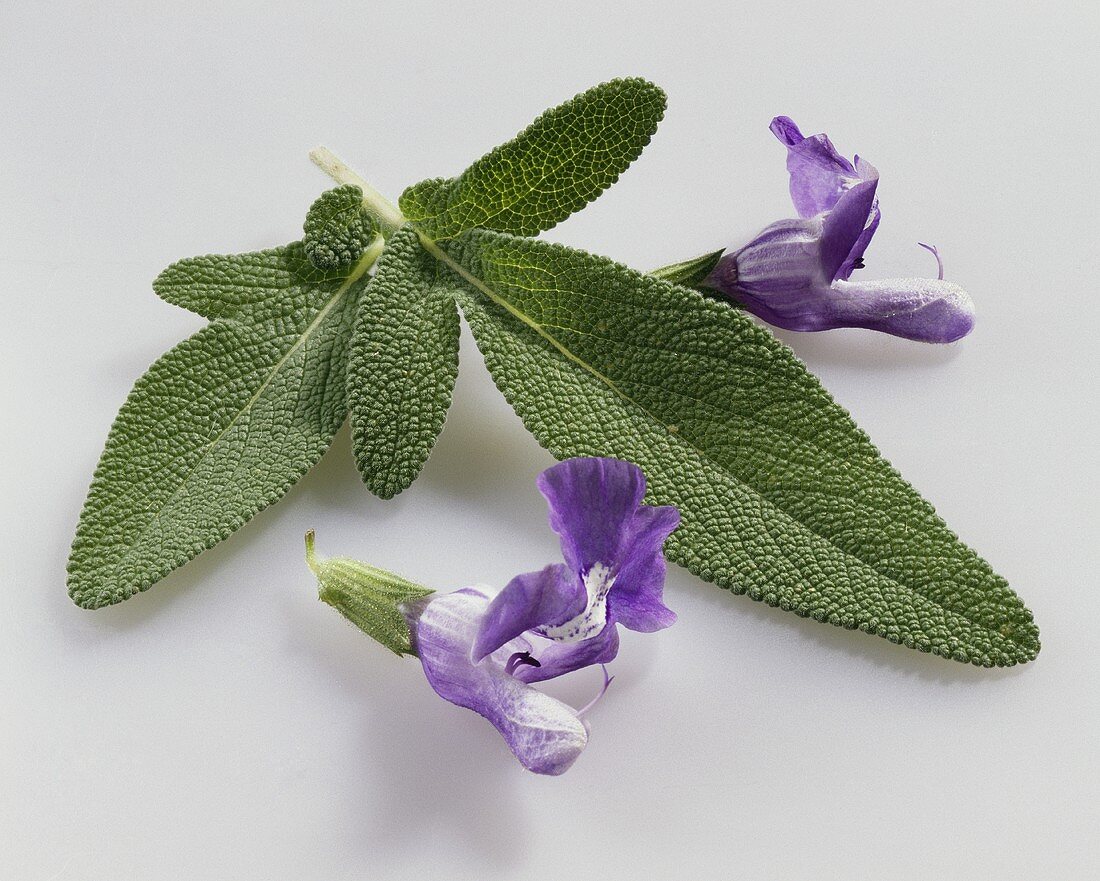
(548, 171)
(341, 292)
(437, 252)
(452, 207)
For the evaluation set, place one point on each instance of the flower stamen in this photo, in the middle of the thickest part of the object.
(936, 254)
(607, 680)
(519, 659)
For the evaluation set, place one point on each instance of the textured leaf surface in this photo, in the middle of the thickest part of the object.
(783, 497)
(403, 364)
(562, 161)
(337, 229)
(220, 426)
(367, 596)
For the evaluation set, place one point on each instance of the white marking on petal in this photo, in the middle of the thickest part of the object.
(597, 584)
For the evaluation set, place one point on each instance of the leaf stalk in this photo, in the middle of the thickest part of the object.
(387, 214)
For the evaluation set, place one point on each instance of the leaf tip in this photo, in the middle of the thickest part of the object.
(385, 489)
(88, 598)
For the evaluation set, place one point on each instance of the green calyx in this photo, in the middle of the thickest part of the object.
(690, 273)
(370, 598)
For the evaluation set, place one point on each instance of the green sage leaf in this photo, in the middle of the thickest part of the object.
(561, 162)
(783, 497)
(403, 364)
(222, 425)
(337, 229)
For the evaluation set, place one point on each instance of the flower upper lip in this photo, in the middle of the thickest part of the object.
(819, 174)
(825, 183)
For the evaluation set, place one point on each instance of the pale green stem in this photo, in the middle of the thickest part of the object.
(387, 214)
(311, 555)
(370, 255)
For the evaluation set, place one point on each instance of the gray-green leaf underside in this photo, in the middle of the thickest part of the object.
(562, 161)
(220, 426)
(403, 364)
(782, 496)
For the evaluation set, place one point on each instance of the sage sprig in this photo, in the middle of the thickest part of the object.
(782, 496)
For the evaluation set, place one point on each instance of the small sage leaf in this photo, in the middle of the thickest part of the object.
(561, 162)
(337, 229)
(403, 364)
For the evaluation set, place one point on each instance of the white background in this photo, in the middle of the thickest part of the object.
(227, 725)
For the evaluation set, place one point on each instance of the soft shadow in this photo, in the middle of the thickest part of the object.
(483, 443)
(428, 770)
(334, 484)
(866, 350)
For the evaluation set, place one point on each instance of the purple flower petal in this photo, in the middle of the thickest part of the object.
(558, 658)
(544, 734)
(787, 130)
(924, 309)
(802, 308)
(819, 174)
(784, 256)
(865, 169)
(612, 542)
(777, 276)
(550, 596)
(637, 597)
(847, 230)
(855, 256)
(591, 501)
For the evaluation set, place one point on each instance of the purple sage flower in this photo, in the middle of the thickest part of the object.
(796, 273)
(482, 651)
